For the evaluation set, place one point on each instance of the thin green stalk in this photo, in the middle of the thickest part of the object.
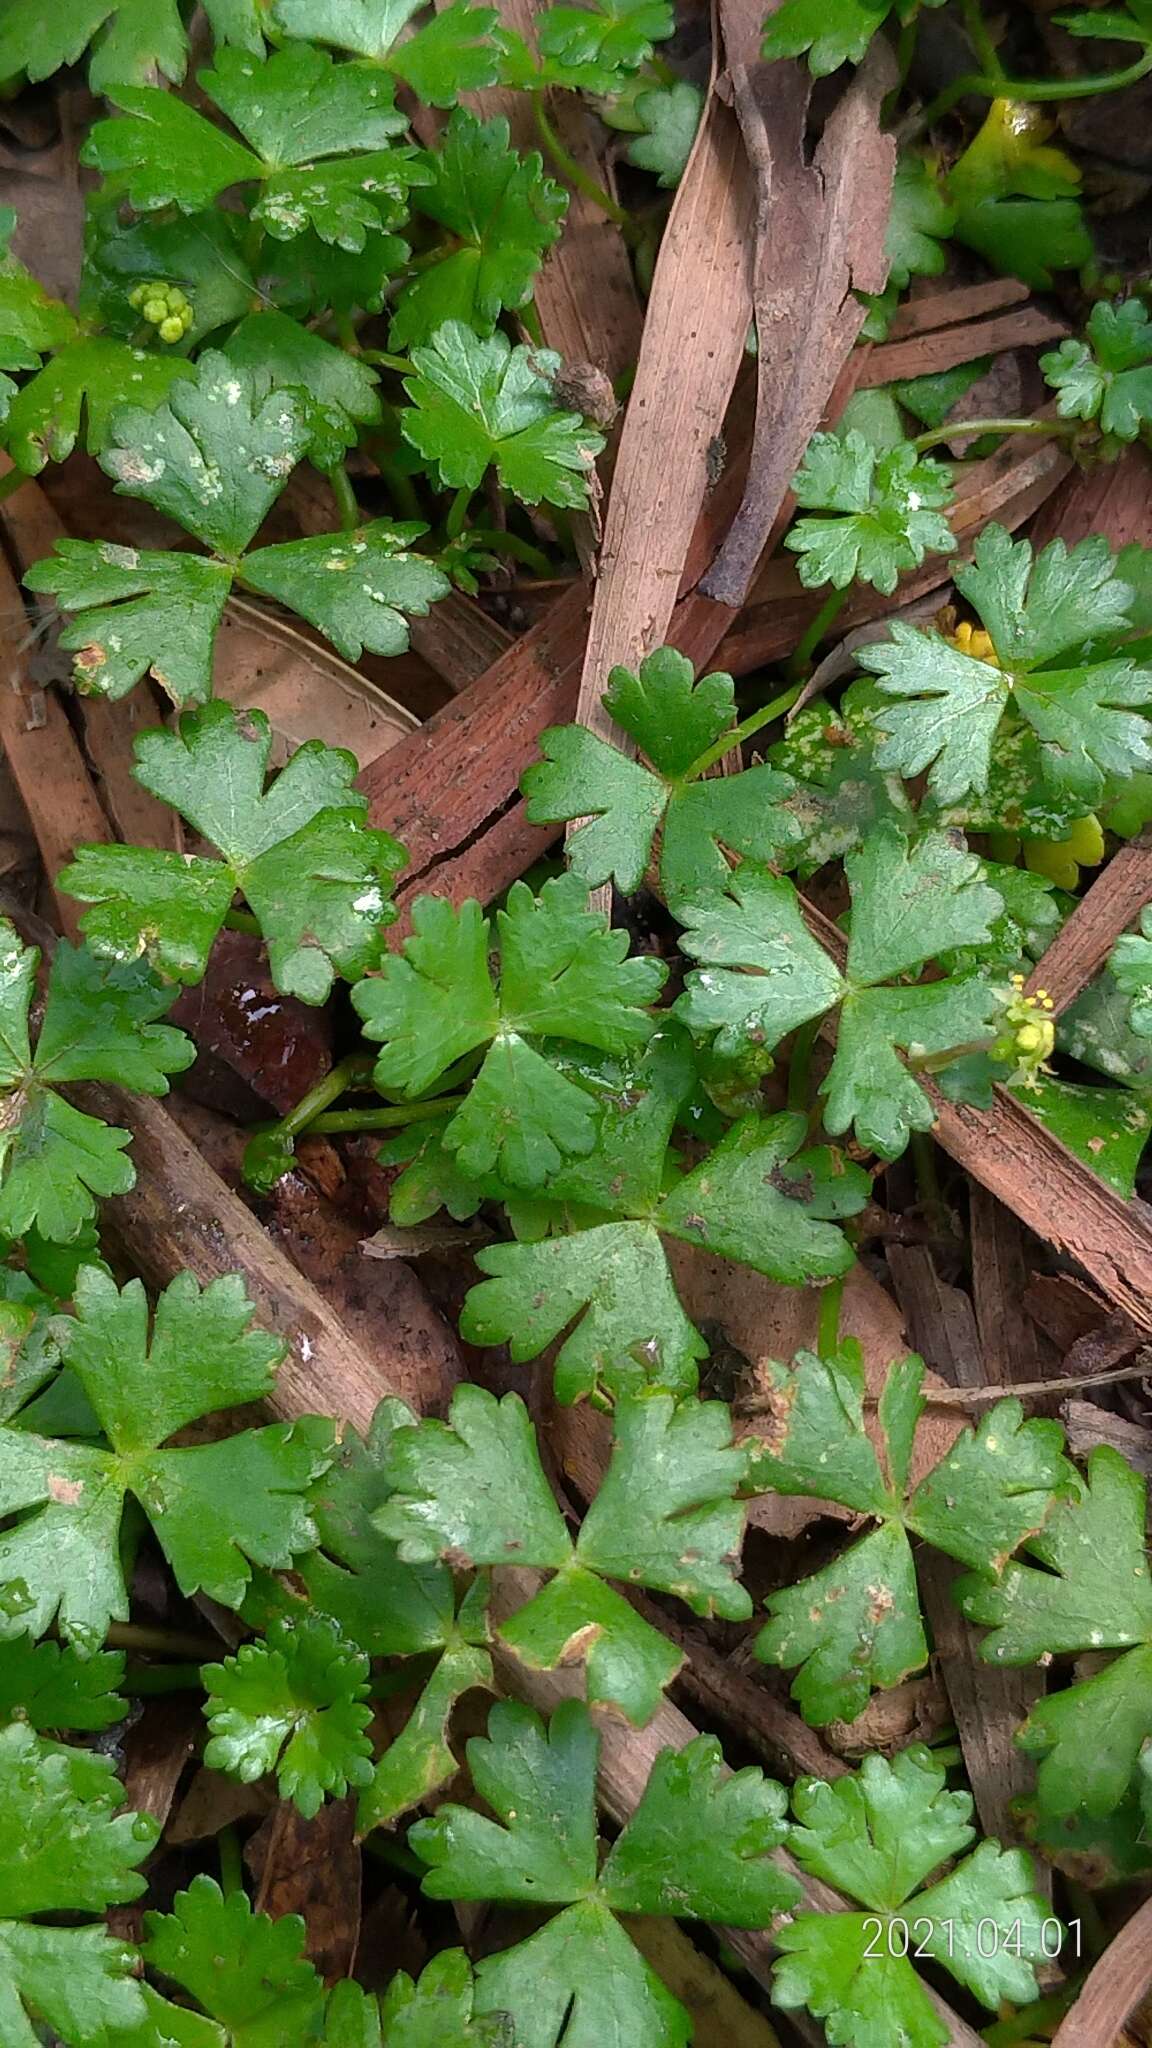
(815, 632)
(11, 483)
(955, 429)
(983, 48)
(348, 1073)
(800, 1066)
(828, 1329)
(387, 1119)
(458, 513)
(400, 486)
(242, 921)
(503, 543)
(739, 733)
(345, 496)
(145, 1681)
(1029, 89)
(231, 1861)
(924, 1166)
(403, 365)
(577, 176)
(160, 1642)
(530, 321)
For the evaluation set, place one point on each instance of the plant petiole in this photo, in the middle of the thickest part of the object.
(828, 1329)
(345, 496)
(954, 430)
(815, 632)
(355, 1071)
(1039, 90)
(577, 176)
(775, 708)
(390, 1117)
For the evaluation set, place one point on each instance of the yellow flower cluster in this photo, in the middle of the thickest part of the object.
(165, 307)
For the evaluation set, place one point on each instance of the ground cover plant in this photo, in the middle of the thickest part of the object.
(630, 1027)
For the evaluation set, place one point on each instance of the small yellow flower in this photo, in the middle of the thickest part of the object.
(1028, 1034)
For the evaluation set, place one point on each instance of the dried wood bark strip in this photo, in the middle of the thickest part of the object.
(820, 232)
(314, 1868)
(1081, 947)
(32, 528)
(439, 788)
(181, 1215)
(505, 849)
(1114, 499)
(988, 1705)
(720, 2017)
(382, 1304)
(1116, 1984)
(626, 1757)
(457, 638)
(1011, 1344)
(925, 355)
(940, 1319)
(691, 351)
(1088, 1426)
(44, 755)
(957, 302)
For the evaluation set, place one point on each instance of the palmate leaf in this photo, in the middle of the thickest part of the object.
(216, 1508)
(765, 975)
(296, 1705)
(1108, 375)
(444, 57)
(1017, 198)
(141, 612)
(317, 879)
(1088, 1590)
(594, 48)
(76, 1979)
(479, 403)
(829, 32)
(665, 1517)
(757, 1199)
(129, 39)
(882, 1831)
(563, 972)
(319, 135)
(342, 389)
(888, 506)
(674, 721)
(501, 212)
(100, 1023)
(669, 116)
(1051, 621)
(699, 1843)
(439, 2010)
(247, 1973)
(360, 589)
(856, 1624)
(86, 381)
(47, 1686)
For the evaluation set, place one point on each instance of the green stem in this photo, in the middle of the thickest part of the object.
(739, 733)
(231, 1861)
(502, 543)
(11, 483)
(983, 48)
(401, 488)
(146, 1680)
(576, 175)
(345, 497)
(403, 365)
(391, 1118)
(529, 320)
(924, 1166)
(1028, 89)
(161, 1642)
(458, 513)
(815, 631)
(800, 1066)
(243, 921)
(955, 429)
(348, 1073)
(828, 1329)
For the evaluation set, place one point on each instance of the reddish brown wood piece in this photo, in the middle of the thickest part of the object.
(1114, 901)
(925, 355)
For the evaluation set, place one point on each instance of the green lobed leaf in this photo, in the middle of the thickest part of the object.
(699, 1844)
(1108, 375)
(761, 973)
(143, 612)
(669, 117)
(444, 57)
(1131, 966)
(472, 1491)
(593, 48)
(163, 153)
(129, 39)
(501, 214)
(295, 1705)
(828, 32)
(852, 1627)
(479, 403)
(76, 1979)
(1107, 1128)
(216, 455)
(1017, 198)
(539, 1779)
(245, 1971)
(48, 1687)
(360, 589)
(85, 382)
(581, 1982)
(889, 505)
(438, 2011)
(420, 1761)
